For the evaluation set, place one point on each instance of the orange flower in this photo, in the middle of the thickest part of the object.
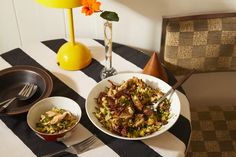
(90, 6)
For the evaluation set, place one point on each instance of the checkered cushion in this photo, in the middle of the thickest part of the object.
(213, 131)
(207, 44)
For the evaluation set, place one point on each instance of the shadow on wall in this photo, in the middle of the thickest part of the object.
(150, 9)
(154, 9)
(149, 20)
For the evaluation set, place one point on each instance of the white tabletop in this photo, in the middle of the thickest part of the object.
(76, 85)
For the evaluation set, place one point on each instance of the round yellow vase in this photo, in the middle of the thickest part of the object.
(73, 56)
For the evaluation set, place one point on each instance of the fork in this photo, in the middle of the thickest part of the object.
(76, 148)
(32, 87)
(173, 88)
(25, 92)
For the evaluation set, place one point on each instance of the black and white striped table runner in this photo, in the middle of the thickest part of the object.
(14, 131)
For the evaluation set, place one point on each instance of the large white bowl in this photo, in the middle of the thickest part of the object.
(47, 104)
(117, 79)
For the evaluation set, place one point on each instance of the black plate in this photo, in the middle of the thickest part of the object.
(13, 79)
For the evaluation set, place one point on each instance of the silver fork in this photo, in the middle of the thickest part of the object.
(23, 94)
(173, 88)
(76, 148)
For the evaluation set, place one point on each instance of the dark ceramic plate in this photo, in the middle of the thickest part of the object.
(13, 79)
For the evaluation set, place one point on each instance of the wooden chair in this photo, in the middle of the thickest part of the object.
(208, 44)
(204, 42)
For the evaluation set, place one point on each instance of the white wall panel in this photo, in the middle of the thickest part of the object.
(37, 22)
(84, 26)
(139, 25)
(140, 21)
(9, 36)
(216, 88)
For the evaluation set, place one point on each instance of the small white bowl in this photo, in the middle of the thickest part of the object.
(118, 79)
(47, 104)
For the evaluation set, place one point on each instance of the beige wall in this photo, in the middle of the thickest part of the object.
(25, 21)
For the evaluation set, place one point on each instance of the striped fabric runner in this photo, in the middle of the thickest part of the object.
(76, 85)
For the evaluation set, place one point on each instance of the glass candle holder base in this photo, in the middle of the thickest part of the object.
(107, 72)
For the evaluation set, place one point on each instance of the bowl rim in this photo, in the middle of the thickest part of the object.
(45, 78)
(106, 131)
(59, 133)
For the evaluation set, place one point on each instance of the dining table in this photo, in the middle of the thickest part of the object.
(17, 139)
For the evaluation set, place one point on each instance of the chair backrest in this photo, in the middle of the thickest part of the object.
(204, 42)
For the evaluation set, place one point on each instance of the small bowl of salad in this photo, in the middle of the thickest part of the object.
(54, 118)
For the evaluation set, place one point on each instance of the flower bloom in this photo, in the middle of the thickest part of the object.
(90, 6)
